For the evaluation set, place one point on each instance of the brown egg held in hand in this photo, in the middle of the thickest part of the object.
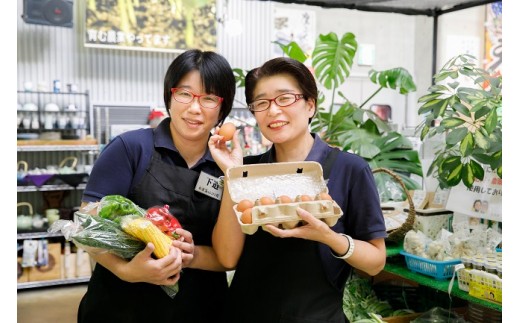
(266, 200)
(282, 199)
(324, 196)
(244, 204)
(227, 131)
(304, 198)
(247, 216)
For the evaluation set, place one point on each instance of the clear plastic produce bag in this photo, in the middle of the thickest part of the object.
(96, 234)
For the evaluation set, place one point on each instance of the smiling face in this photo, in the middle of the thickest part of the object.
(282, 124)
(190, 121)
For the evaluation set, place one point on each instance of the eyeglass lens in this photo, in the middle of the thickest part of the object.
(282, 100)
(207, 101)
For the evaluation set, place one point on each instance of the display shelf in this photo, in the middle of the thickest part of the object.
(397, 266)
(38, 235)
(64, 187)
(60, 191)
(65, 115)
(57, 145)
(56, 282)
(53, 93)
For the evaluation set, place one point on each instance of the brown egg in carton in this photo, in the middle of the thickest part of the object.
(274, 191)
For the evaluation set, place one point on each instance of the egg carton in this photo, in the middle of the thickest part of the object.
(293, 179)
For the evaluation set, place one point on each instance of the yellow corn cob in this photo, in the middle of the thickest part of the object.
(144, 230)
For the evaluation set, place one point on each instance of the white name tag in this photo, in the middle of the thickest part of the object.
(210, 186)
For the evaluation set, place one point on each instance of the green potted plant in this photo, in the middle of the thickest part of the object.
(350, 126)
(464, 108)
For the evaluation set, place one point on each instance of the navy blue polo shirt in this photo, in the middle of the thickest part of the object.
(124, 160)
(351, 184)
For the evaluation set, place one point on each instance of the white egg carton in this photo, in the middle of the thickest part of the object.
(293, 179)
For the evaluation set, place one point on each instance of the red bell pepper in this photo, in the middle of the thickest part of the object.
(164, 220)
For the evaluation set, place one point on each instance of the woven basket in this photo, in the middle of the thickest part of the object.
(397, 235)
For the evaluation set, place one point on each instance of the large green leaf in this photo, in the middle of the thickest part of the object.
(491, 121)
(293, 50)
(456, 135)
(332, 58)
(454, 175)
(467, 175)
(467, 144)
(481, 139)
(395, 78)
(476, 169)
(240, 77)
(452, 122)
(434, 107)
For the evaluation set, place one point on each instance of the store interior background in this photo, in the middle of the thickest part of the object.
(134, 78)
(129, 78)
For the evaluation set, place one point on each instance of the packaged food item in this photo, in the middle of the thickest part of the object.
(271, 194)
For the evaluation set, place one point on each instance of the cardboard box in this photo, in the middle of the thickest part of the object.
(83, 264)
(53, 269)
(293, 179)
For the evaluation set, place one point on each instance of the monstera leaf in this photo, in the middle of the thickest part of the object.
(332, 58)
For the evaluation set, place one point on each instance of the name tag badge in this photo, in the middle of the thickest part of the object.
(210, 185)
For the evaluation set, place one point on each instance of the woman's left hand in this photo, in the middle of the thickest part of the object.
(186, 245)
(313, 229)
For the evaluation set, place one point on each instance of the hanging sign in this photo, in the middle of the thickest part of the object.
(151, 25)
(482, 200)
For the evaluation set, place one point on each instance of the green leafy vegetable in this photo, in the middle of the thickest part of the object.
(113, 207)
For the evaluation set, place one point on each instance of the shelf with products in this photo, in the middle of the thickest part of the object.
(37, 235)
(53, 115)
(63, 187)
(397, 268)
(59, 192)
(63, 264)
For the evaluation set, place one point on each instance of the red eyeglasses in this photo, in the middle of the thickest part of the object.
(283, 100)
(208, 101)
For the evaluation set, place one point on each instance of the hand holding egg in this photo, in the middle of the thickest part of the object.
(227, 131)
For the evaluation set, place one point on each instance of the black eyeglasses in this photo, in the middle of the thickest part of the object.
(208, 101)
(283, 100)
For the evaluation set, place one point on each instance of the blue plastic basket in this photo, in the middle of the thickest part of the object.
(438, 269)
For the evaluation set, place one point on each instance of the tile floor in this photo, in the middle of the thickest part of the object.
(57, 304)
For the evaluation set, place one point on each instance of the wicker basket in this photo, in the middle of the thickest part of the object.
(397, 235)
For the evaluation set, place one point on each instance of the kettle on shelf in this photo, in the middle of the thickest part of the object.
(25, 221)
(22, 167)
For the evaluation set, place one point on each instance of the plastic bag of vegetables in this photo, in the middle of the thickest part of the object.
(117, 225)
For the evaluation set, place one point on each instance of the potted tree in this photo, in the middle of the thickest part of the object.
(464, 107)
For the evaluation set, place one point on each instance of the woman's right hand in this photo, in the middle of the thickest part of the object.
(224, 156)
(144, 268)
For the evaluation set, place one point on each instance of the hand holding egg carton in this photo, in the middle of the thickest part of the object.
(271, 193)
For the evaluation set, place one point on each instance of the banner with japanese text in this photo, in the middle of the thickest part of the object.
(151, 25)
(482, 200)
